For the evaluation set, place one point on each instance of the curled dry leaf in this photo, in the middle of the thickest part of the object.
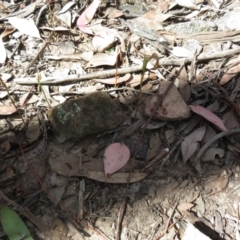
(115, 157)
(208, 115)
(101, 59)
(231, 72)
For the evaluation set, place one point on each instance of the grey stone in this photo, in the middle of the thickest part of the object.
(92, 114)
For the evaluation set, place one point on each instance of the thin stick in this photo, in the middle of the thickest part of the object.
(112, 72)
(210, 142)
(13, 102)
(170, 217)
(38, 54)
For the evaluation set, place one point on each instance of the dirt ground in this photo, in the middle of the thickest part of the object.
(170, 70)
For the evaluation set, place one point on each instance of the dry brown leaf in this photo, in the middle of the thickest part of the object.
(93, 168)
(173, 108)
(182, 207)
(184, 89)
(59, 229)
(115, 13)
(231, 120)
(5, 147)
(33, 130)
(7, 110)
(101, 59)
(113, 81)
(231, 72)
(154, 146)
(157, 16)
(136, 79)
(211, 153)
(116, 177)
(218, 184)
(210, 133)
(163, 6)
(191, 143)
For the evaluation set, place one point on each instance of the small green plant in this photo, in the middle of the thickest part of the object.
(144, 67)
(13, 225)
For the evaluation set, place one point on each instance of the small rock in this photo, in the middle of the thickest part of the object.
(173, 108)
(84, 116)
(189, 28)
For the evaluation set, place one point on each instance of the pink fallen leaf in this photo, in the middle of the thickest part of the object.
(87, 16)
(115, 157)
(208, 115)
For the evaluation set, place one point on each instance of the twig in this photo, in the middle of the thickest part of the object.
(156, 159)
(170, 217)
(164, 160)
(105, 90)
(38, 54)
(76, 78)
(12, 100)
(172, 225)
(41, 89)
(210, 142)
(110, 73)
(15, 49)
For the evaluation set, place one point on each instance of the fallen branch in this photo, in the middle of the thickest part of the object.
(120, 71)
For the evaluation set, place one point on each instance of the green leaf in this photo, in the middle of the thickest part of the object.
(12, 224)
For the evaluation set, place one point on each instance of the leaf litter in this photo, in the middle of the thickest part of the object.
(159, 67)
